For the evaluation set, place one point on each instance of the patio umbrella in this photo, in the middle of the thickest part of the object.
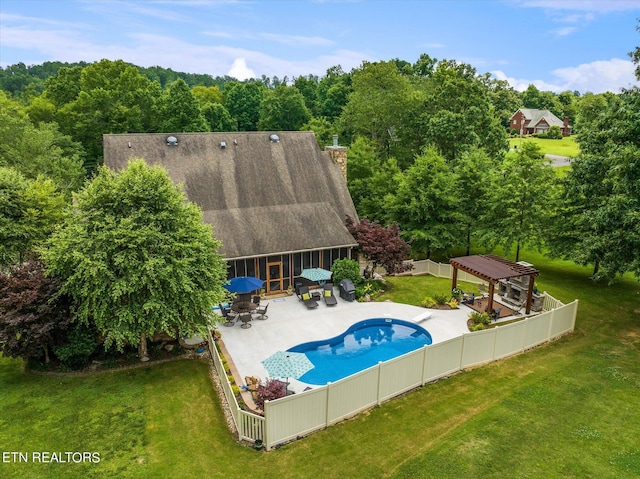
(244, 284)
(316, 274)
(287, 364)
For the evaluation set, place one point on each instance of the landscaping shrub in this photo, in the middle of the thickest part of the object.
(80, 344)
(555, 133)
(428, 302)
(454, 304)
(346, 269)
(441, 298)
(478, 318)
(269, 390)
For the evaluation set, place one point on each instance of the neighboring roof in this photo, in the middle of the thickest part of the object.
(262, 197)
(492, 268)
(534, 117)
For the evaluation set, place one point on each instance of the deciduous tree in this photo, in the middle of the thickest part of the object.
(137, 258)
(29, 212)
(33, 317)
(180, 110)
(380, 245)
(523, 200)
(426, 204)
(283, 109)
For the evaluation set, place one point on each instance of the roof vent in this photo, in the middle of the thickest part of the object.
(172, 141)
(274, 138)
(223, 144)
(129, 144)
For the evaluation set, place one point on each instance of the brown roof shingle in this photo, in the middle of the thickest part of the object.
(262, 197)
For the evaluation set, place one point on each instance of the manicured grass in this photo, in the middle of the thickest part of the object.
(567, 146)
(568, 409)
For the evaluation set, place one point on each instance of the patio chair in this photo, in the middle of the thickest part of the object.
(305, 297)
(496, 314)
(245, 318)
(262, 312)
(228, 315)
(329, 297)
(256, 300)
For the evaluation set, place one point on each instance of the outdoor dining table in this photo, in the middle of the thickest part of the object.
(244, 307)
(244, 310)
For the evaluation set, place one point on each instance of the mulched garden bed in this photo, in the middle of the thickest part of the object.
(109, 361)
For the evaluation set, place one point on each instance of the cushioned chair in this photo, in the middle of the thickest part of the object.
(256, 300)
(329, 297)
(305, 297)
(262, 311)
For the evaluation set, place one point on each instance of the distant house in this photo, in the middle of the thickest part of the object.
(527, 121)
(275, 200)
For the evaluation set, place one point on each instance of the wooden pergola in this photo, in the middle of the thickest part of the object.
(492, 269)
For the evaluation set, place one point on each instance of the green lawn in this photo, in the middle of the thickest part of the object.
(568, 409)
(567, 146)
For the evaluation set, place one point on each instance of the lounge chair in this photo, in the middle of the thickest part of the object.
(329, 297)
(305, 297)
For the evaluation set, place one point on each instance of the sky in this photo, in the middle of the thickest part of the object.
(557, 45)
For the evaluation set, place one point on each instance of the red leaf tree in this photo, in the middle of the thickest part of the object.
(380, 245)
(32, 318)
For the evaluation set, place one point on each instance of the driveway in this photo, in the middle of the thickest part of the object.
(557, 160)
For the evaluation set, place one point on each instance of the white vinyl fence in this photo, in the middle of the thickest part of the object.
(297, 415)
(439, 270)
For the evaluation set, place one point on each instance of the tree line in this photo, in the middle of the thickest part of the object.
(427, 154)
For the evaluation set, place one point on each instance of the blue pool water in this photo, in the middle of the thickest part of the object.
(361, 346)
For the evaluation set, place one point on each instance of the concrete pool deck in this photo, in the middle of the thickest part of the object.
(291, 323)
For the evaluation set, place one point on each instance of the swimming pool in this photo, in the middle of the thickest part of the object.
(361, 346)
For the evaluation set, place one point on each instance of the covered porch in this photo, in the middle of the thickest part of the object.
(493, 269)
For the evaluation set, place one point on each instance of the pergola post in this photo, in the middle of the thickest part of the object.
(529, 295)
(490, 299)
(454, 276)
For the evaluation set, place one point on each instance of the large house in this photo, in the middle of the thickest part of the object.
(527, 121)
(275, 199)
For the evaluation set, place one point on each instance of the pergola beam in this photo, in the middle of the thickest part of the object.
(493, 269)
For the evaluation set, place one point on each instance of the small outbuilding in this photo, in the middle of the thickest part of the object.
(493, 269)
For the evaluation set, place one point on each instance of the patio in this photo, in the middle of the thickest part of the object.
(291, 323)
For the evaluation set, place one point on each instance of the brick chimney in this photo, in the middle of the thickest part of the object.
(565, 126)
(338, 155)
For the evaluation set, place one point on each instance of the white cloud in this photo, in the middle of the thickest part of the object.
(601, 6)
(240, 70)
(564, 31)
(595, 77)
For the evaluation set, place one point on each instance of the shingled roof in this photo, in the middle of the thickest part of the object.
(534, 117)
(263, 197)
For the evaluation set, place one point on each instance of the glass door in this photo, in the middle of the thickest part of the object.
(274, 277)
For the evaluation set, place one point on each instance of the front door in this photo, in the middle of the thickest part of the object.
(274, 277)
